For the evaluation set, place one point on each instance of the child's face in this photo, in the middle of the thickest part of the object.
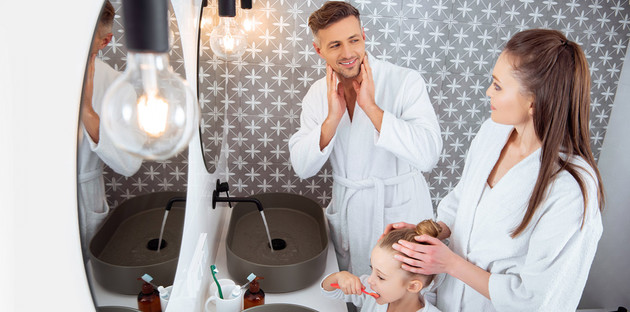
(388, 279)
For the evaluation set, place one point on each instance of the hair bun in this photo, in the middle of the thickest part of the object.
(428, 227)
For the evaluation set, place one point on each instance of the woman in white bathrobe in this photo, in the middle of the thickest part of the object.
(524, 220)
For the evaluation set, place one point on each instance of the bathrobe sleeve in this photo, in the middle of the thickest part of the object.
(357, 300)
(411, 130)
(306, 157)
(559, 256)
(120, 161)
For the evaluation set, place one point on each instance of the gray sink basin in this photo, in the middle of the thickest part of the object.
(120, 250)
(294, 219)
(280, 307)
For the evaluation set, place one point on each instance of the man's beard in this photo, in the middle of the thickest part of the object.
(349, 74)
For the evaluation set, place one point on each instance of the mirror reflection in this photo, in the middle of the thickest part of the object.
(114, 186)
(212, 89)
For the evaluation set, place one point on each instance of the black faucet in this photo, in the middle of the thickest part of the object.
(224, 187)
(173, 200)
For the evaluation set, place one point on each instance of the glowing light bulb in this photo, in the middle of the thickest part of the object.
(208, 17)
(228, 41)
(149, 110)
(152, 114)
(248, 20)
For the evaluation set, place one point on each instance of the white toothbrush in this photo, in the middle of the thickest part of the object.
(237, 291)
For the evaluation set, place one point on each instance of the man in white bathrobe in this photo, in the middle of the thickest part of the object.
(95, 147)
(374, 122)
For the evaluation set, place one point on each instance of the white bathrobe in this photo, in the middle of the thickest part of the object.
(93, 206)
(545, 267)
(368, 303)
(377, 177)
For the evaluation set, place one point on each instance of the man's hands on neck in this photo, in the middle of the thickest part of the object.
(336, 107)
(364, 88)
(342, 94)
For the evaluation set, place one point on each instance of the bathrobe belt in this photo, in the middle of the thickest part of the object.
(90, 175)
(379, 185)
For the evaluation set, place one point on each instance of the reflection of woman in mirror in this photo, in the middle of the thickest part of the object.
(95, 148)
(524, 220)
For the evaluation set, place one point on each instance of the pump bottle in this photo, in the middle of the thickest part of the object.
(149, 299)
(254, 296)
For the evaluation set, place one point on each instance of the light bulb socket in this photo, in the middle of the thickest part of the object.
(146, 25)
(227, 8)
(246, 4)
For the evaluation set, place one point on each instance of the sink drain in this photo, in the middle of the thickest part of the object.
(153, 244)
(278, 244)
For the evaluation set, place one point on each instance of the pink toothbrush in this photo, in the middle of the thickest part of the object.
(375, 295)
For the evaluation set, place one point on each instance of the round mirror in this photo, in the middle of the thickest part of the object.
(117, 190)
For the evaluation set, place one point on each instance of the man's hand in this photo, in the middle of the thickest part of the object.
(336, 108)
(365, 94)
(336, 97)
(365, 89)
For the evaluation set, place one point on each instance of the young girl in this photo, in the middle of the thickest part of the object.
(397, 290)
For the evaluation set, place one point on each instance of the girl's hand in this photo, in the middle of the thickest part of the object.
(428, 256)
(348, 283)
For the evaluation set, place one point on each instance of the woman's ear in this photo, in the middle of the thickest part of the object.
(531, 106)
(415, 286)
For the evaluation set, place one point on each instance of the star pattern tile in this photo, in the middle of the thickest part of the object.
(452, 43)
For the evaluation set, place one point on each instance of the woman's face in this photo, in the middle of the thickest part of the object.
(388, 279)
(508, 102)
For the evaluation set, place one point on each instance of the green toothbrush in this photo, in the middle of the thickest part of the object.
(214, 270)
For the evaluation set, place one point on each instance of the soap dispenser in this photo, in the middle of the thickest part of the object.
(149, 298)
(254, 296)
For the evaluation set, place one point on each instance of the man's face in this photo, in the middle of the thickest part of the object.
(342, 46)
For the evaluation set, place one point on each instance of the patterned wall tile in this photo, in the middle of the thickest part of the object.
(452, 43)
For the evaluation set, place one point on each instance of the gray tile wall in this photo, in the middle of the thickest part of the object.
(452, 43)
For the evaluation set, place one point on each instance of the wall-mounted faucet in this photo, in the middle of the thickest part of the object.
(224, 187)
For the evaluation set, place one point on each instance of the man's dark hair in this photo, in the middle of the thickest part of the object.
(329, 13)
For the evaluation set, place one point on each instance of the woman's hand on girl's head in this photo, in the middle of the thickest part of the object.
(394, 226)
(428, 256)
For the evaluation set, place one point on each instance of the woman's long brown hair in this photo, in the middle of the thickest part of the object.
(555, 71)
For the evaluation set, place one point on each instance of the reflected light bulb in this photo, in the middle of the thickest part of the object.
(207, 18)
(228, 41)
(249, 20)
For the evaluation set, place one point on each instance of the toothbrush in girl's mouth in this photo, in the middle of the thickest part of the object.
(213, 269)
(375, 295)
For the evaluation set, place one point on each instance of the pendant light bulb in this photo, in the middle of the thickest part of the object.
(149, 110)
(248, 20)
(228, 41)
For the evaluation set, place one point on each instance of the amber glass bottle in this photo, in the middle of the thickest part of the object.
(149, 299)
(254, 296)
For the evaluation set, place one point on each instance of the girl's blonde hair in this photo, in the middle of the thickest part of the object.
(426, 227)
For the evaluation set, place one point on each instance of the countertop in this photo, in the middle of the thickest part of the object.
(310, 296)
